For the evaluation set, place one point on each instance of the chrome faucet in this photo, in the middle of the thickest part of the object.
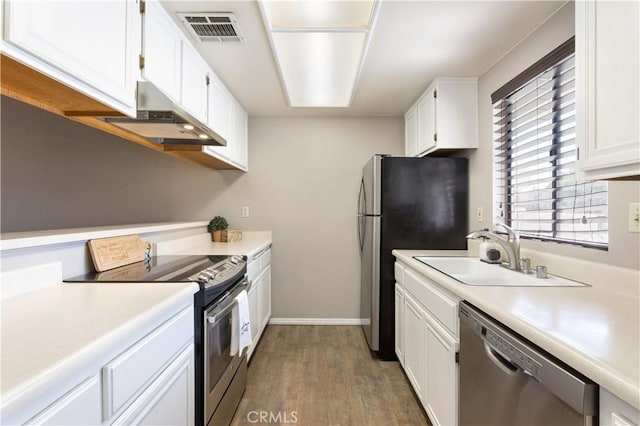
(511, 245)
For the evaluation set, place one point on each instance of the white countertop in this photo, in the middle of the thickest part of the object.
(252, 243)
(595, 329)
(64, 333)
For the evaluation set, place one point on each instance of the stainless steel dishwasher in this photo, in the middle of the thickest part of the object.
(505, 380)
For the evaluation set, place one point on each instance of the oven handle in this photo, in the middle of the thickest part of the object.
(218, 311)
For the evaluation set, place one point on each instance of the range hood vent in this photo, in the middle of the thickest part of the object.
(218, 27)
(165, 122)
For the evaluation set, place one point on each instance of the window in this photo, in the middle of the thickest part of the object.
(536, 189)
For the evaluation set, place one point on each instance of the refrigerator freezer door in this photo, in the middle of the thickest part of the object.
(370, 280)
(370, 187)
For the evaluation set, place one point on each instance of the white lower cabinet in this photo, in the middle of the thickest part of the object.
(399, 315)
(81, 406)
(414, 325)
(151, 382)
(427, 343)
(441, 371)
(616, 412)
(169, 400)
(259, 272)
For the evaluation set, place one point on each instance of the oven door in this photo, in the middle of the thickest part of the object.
(220, 365)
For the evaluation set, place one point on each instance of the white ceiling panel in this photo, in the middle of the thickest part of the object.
(412, 43)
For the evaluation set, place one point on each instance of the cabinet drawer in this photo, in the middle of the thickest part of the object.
(253, 269)
(442, 306)
(81, 406)
(265, 259)
(399, 272)
(128, 374)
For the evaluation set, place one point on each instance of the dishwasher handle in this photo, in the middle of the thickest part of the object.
(500, 361)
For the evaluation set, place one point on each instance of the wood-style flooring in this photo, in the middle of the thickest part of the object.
(324, 375)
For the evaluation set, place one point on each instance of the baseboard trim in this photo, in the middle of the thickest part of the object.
(316, 321)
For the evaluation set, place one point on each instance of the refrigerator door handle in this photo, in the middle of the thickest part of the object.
(362, 198)
(361, 232)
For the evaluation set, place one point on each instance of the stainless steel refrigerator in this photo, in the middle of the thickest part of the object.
(404, 203)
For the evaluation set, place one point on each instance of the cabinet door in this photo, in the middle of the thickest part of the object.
(441, 375)
(169, 400)
(254, 308)
(194, 82)
(413, 343)
(162, 50)
(219, 113)
(265, 298)
(399, 298)
(411, 132)
(93, 44)
(240, 142)
(427, 121)
(81, 406)
(608, 88)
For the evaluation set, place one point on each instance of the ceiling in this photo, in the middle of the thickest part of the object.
(412, 43)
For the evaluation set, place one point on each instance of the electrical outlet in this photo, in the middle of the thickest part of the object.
(634, 217)
(245, 211)
(479, 215)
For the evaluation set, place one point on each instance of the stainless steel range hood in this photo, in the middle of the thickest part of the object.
(163, 121)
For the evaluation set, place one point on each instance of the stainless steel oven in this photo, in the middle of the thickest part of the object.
(225, 367)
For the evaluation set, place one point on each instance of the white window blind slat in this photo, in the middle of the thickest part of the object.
(534, 163)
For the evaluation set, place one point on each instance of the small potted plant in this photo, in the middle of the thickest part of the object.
(218, 228)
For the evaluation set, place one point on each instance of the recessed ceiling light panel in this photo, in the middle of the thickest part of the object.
(319, 69)
(319, 46)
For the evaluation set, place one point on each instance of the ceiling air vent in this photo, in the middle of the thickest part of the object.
(212, 26)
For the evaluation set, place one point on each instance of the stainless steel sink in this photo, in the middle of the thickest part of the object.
(471, 271)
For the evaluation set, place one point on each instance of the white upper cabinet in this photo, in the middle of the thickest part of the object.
(194, 82)
(608, 88)
(219, 111)
(162, 50)
(233, 129)
(427, 135)
(240, 135)
(91, 46)
(411, 132)
(445, 117)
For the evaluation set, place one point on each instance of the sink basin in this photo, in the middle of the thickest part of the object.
(471, 271)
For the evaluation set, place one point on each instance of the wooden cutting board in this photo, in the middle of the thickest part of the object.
(110, 253)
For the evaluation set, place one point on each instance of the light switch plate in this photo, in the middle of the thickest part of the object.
(479, 215)
(634, 217)
(245, 211)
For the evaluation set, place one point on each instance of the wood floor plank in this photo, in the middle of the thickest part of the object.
(324, 375)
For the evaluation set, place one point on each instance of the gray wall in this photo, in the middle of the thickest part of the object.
(57, 173)
(624, 247)
(302, 184)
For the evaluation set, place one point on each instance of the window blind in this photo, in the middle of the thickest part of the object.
(536, 189)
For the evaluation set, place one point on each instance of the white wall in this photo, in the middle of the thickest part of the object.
(624, 247)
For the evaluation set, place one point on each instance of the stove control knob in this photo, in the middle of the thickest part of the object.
(211, 273)
(236, 259)
(202, 279)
